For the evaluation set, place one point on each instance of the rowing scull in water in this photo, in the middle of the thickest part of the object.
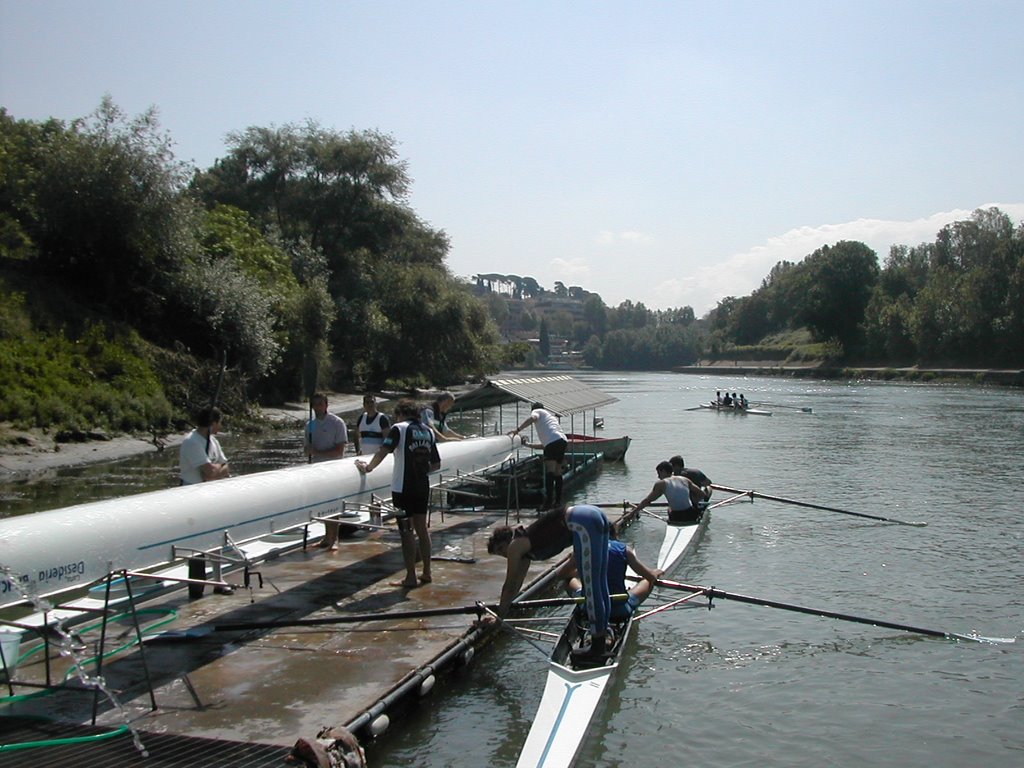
(571, 696)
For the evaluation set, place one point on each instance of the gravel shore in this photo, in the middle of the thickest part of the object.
(35, 452)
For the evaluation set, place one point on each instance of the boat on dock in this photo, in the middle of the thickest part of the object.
(573, 693)
(52, 554)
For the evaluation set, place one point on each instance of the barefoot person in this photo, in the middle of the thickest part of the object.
(581, 526)
(416, 456)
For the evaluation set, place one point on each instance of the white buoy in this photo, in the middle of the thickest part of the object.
(467, 656)
(378, 726)
(427, 685)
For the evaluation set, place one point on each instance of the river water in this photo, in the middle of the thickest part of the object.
(749, 685)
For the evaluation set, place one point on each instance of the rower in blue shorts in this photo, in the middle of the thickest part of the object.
(620, 555)
(583, 527)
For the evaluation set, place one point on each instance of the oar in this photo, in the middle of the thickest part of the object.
(712, 592)
(755, 494)
(666, 606)
(780, 405)
(395, 615)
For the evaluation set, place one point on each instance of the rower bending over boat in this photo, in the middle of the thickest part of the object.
(585, 528)
(680, 492)
(620, 555)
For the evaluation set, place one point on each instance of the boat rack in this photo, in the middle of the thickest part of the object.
(123, 591)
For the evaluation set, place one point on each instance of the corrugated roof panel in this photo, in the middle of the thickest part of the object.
(562, 395)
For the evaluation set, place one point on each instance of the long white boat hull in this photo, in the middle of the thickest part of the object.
(60, 549)
(571, 697)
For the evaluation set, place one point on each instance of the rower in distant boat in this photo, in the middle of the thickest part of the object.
(743, 402)
(695, 475)
(679, 492)
(586, 529)
(727, 401)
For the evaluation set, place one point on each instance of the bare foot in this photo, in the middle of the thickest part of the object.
(404, 584)
(328, 545)
(425, 579)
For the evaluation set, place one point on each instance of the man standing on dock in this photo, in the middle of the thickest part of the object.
(554, 442)
(370, 428)
(200, 457)
(416, 456)
(326, 438)
(326, 433)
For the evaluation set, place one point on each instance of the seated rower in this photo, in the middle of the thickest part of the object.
(679, 492)
(620, 555)
(699, 478)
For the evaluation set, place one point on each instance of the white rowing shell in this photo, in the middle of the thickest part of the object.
(62, 549)
(571, 697)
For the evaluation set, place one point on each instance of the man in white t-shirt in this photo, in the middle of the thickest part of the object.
(553, 441)
(200, 457)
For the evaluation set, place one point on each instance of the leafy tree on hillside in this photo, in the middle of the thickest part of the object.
(427, 328)
(100, 199)
(343, 195)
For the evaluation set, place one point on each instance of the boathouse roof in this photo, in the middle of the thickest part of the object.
(562, 395)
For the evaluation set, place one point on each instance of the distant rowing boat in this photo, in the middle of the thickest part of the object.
(571, 696)
(730, 409)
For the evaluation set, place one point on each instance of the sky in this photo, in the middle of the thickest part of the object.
(669, 153)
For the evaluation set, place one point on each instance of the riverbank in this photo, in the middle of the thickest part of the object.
(27, 453)
(1001, 376)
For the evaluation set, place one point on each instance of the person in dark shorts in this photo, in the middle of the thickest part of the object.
(679, 492)
(553, 441)
(695, 475)
(415, 450)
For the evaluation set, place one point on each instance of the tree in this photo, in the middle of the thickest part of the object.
(427, 328)
(596, 315)
(101, 200)
(839, 283)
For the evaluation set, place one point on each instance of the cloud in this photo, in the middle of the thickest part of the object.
(741, 273)
(571, 271)
(606, 238)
